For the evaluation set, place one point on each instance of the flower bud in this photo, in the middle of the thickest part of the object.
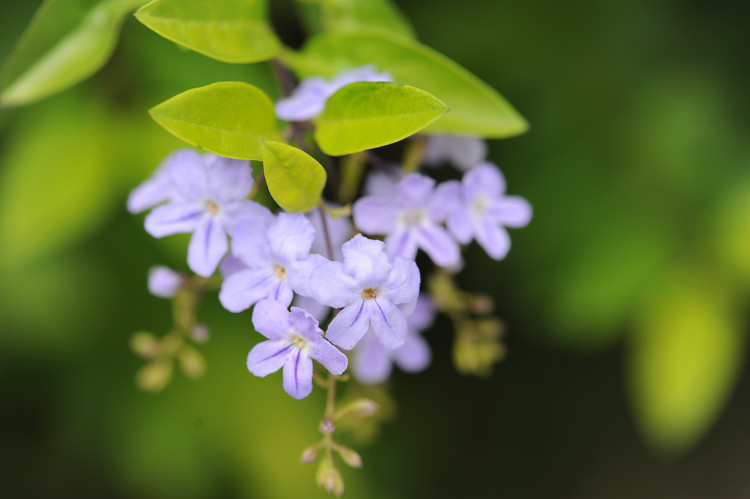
(163, 281)
(200, 333)
(310, 454)
(361, 407)
(349, 456)
(145, 344)
(191, 362)
(153, 377)
(329, 478)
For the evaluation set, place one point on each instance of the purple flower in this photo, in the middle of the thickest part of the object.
(309, 99)
(463, 151)
(410, 218)
(294, 341)
(163, 281)
(372, 363)
(276, 257)
(483, 210)
(368, 287)
(209, 200)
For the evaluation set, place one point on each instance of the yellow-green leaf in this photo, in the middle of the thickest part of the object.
(227, 118)
(295, 179)
(366, 115)
(685, 358)
(233, 31)
(476, 108)
(66, 42)
(340, 15)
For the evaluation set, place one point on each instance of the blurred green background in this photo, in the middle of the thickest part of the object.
(625, 299)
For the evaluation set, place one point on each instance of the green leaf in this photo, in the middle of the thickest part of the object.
(366, 115)
(685, 359)
(295, 179)
(341, 15)
(227, 118)
(66, 42)
(228, 30)
(476, 108)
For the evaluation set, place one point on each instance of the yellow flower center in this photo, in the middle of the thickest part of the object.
(369, 293)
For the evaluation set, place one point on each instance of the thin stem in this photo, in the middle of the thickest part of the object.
(326, 232)
(331, 399)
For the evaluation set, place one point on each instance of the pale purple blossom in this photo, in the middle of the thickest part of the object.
(209, 200)
(462, 151)
(309, 99)
(163, 281)
(372, 363)
(410, 219)
(294, 341)
(482, 210)
(369, 288)
(276, 258)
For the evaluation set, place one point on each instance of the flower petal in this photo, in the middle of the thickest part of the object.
(493, 238)
(240, 290)
(460, 225)
(485, 178)
(422, 316)
(228, 179)
(268, 357)
(330, 285)
(438, 244)
(329, 356)
(414, 355)
(372, 363)
(414, 191)
(463, 151)
(374, 215)
(207, 247)
(510, 211)
(403, 282)
(349, 325)
(389, 323)
(290, 237)
(366, 260)
(306, 102)
(300, 272)
(446, 200)
(189, 175)
(250, 243)
(153, 191)
(231, 265)
(312, 307)
(298, 375)
(174, 218)
(271, 319)
(244, 209)
(402, 242)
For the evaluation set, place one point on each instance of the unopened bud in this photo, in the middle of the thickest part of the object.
(191, 362)
(482, 304)
(360, 407)
(200, 333)
(349, 456)
(310, 454)
(329, 478)
(153, 377)
(145, 344)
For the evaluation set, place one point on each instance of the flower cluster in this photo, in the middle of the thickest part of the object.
(338, 285)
